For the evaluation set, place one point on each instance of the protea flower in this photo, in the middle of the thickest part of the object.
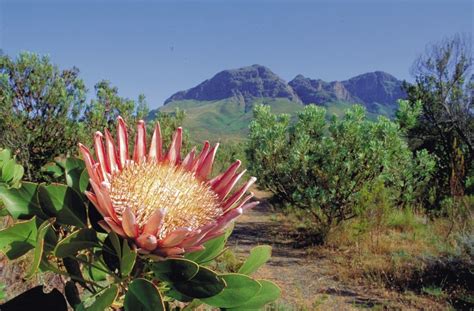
(165, 204)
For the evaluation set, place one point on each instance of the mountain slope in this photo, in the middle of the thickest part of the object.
(245, 84)
(226, 119)
(377, 91)
(220, 108)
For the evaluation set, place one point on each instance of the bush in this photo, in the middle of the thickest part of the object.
(322, 167)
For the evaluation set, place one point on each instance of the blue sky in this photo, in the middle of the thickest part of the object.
(157, 48)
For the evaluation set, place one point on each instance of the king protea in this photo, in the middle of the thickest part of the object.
(166, 205)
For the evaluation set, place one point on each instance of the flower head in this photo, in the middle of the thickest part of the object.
(165, 204)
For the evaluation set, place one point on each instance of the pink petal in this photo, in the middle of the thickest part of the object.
(245, 200)
(174, 156)
(104, 225)
(115, 227)
(212, 235)
(156, 147)
(147, 241)
(89, 162)
(122, 138)
(236, 196)
(129, 223)
(100, 153)
(224, 178)
(206, 166)
(111, 152)
(249, 205)
(202, 155)
(189, 160)
(200, 233)
(228, 217)
(154, 223)
(175, 237)
(222, 224)
(194, 249)
(140, 143)
(227, 188)
(93, 198)
(104, 201)
(171, 251)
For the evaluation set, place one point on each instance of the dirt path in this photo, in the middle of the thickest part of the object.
(306, 281)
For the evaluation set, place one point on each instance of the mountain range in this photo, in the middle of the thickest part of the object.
(220, 107)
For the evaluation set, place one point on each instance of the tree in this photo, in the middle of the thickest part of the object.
(40, 106)
(108, 105)
(445, 126)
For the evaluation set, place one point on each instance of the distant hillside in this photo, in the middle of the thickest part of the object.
(244, 84)
(226, 119)
(220, 108)
(377, 91)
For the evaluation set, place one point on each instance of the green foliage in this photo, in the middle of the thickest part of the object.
(76, 241)
(239, 289)
(169, 122)
(143, 295)
(104, 110)
(322, 167)
(18, 239)
(40, 106)
(259, 255)
(11, 172)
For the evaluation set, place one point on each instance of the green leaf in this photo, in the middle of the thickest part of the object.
(5, 155)
(269, 293)
(53, 169)
(112, 252)
(39, 247)
(22, 203)
(128, 259)
(18, 239)
(74, 168)
(17, 174)
(239, 289)
(175, 270)
(205, 283)
(212, 249)
(64, 203)
(104, 299)
(78, 240)
(142, 295)
(8, 170)
(83, 181)
(259, 255)
(98, 274)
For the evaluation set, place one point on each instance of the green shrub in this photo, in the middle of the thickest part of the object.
(322, 167)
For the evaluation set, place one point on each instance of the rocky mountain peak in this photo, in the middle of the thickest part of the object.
(245, 83)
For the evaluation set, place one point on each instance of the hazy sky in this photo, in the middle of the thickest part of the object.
(158, 48)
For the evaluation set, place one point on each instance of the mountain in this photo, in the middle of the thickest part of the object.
(219, 108)
(245, 84)
(373, 90)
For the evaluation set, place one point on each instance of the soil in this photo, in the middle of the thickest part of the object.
(309, 280)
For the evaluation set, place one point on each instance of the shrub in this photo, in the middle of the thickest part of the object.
(322, 167)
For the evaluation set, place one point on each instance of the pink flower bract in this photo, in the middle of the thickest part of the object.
(167, 205)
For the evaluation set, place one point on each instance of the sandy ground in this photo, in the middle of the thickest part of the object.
(308, 282)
